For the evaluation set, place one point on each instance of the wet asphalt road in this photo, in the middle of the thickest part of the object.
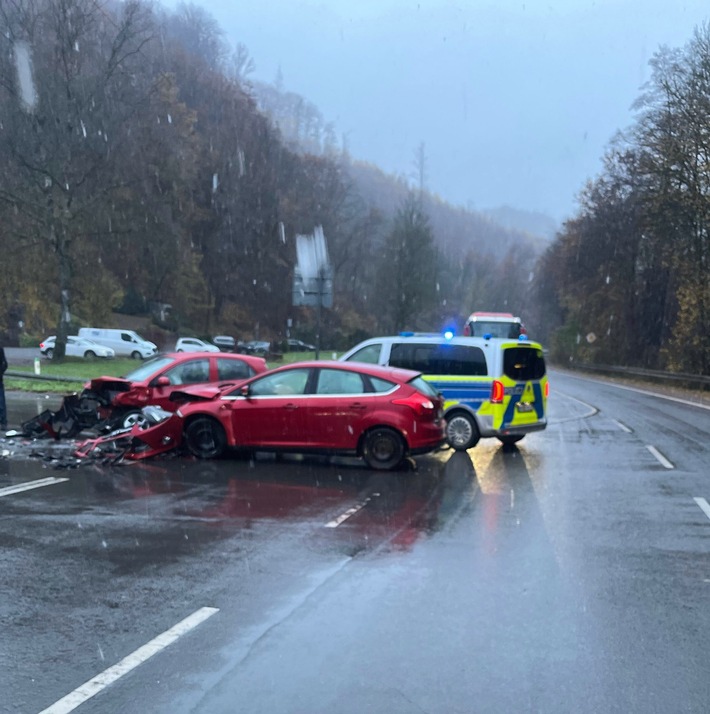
(569, 575)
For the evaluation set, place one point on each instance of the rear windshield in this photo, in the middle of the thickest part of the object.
(424, 387)
(523, 363)
(446, 359)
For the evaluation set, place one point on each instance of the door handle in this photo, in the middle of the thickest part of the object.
(290, 407)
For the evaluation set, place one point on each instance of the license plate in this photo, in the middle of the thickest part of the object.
(524, 407)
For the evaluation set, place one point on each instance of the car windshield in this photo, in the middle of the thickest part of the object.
(149, 368)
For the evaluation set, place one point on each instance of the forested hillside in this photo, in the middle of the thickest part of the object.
(627, 281)
(139, 167)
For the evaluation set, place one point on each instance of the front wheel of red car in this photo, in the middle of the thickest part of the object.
(205, 438)
(383, 449)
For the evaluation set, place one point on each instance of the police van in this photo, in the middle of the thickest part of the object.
(492, 387)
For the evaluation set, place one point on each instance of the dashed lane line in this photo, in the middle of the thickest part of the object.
(660, 457)
(350, 512)
(9, 490)
(704, 505)
(91, 688)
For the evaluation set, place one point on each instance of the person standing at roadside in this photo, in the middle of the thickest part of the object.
(3, 406)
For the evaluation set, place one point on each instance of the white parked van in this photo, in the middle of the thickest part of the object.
(125, 343)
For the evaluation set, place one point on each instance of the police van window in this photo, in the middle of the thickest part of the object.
(455, 360)
(369, 354)
(523, 363)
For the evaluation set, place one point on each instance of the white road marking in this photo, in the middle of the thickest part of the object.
(350, 512)
(661, 458)
(592, 410)
(704, 505)
(643, 391)
(622, 426)
(9, 490)
(108, 676)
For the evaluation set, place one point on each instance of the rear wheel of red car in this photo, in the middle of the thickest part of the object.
(383, 449)
(205, 438)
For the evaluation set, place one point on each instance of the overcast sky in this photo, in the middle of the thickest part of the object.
(515, 101)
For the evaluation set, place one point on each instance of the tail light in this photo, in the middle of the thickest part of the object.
(547, 390)
(419, 403)
(41, 345)
(497, 392)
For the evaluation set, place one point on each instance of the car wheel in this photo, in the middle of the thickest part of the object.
(49, 354)
(89, 354)
(510, 440)
(130, 419)
(136, 355)
(461, 431)
(383, 449)
(205, 438)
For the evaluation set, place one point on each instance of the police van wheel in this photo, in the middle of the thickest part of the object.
(510, 440)
(461, 431)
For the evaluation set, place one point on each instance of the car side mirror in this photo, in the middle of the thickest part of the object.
(161, 381)
(245, 391)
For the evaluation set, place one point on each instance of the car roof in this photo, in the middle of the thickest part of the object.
(374, 370)
(440, 340)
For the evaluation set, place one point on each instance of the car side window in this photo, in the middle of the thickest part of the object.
(368, 355)
(292, 381)
(233, 369)
(336, 381)
(191, 372)
(447, 359)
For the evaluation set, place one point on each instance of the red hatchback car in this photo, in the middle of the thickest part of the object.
(122, 398)
(382, 414)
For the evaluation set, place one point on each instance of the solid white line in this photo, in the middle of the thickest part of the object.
(704, 505)
(349, 513)
(661, 458)
(108, 676)
(9, 490)
(642, 391)
(623, 427)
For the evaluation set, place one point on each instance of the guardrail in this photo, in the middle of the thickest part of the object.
(46, 377)
(694, 380)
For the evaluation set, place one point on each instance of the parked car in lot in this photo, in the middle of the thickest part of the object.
(76, 347)
(120, 399)
(226, 343)
(381, 414)
(125, 343)
(256, 347)
(193, 344)
(299, 346)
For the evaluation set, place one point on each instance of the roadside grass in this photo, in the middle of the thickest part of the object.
(84, 370)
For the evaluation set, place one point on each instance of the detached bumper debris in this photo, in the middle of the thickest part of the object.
(76, 413)
(158, 433)
(163, 434)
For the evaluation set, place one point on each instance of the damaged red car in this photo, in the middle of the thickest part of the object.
(381, 414)
(121, 399)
